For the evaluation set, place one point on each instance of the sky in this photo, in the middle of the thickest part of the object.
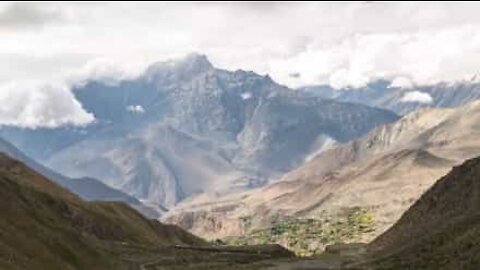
(46, 48)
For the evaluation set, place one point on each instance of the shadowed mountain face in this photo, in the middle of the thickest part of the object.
(87, 188)
(185, 127)
(44, 226)
(380, 94)
(441, 230)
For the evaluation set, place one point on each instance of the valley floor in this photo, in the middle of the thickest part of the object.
(267, 257)
(178, 257)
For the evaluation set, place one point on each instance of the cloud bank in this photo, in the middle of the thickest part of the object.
(340, 44)
(40, 106)
(417, 97)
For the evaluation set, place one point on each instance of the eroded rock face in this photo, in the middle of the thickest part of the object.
(384, 172)
(185, 128)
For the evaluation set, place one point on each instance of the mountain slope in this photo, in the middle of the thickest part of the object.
(43, 226)
(185, 127)
(87, 188)
(441, 230)
(382, 173)
(380, 94)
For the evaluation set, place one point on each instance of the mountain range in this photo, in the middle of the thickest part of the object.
(44, 226)
(383, 173)
(402, 100)
(87, 188)
(184, 127)
(348, 175)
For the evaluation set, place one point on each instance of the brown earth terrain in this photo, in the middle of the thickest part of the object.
(382, 174)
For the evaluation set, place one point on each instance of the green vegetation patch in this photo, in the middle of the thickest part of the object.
(309, 236)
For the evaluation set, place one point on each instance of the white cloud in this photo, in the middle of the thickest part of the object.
(401, 82)
(47, 106)
(44, 99)
(417, 97)
(246, 95)
(341, 44)
(135, 109)
(421, 57)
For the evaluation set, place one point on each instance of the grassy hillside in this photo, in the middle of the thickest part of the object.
(43, 226)
(441, 230)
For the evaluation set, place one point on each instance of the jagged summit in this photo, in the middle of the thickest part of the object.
(196, 59)
(192, 64)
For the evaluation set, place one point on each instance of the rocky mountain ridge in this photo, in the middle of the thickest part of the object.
(185, 127)
(402, 100)
(87, 188)
(383, 173)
